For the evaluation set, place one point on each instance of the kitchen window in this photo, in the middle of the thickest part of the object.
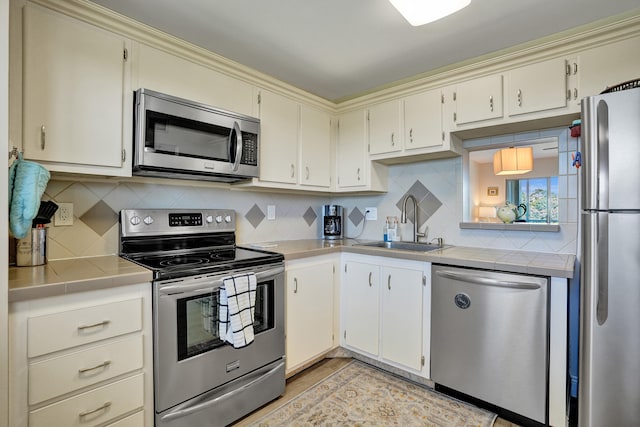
(539, 195)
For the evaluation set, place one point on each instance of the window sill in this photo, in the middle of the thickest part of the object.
(516, 226)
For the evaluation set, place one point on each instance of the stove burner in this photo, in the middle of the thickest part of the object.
(183, 261)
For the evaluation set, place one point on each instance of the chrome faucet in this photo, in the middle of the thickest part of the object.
(403, 216)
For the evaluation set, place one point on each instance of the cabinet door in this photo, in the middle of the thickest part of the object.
(478, 99)
(351, 150)
(73, 90)
(279, 118)
(163, 72)
(309, 308)
(361, 306)
(423, 120)
(609, 65)
(384, 128)
(537, 87)
(315, 147)
(402, 316)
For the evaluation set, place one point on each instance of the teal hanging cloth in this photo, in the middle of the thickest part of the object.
(27, 182)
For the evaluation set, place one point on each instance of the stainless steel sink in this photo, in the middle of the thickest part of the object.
(403, 246)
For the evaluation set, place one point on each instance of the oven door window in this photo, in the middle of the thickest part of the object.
(198, 319)
(184, 137)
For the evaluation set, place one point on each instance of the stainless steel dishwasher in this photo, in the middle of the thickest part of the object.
(490, 337)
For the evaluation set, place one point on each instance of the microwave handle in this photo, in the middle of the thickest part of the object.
(238, 144)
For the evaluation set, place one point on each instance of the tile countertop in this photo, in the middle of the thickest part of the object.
(538, 263)
(73, 275)
(85, 274)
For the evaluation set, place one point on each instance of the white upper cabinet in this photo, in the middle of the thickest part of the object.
(355, 171)
(384, 128)
(163, 72)
(74, 95)
(537, 87)
(478, 99)
(609, 65)
(315, 147)
(295, 144)
(279, 117)
(423, 120)
(351, 155)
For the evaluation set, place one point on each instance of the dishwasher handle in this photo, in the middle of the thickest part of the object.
(486, 281)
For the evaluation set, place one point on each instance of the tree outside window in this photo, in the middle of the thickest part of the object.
(539, 195)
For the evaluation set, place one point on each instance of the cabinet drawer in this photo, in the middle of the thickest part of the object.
(94, 407)
(135, 420)
(64, 374)
(58, 331)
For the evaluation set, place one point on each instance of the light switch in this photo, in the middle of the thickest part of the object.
(271, 211)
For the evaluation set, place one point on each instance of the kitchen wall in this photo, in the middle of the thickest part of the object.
(436, 184)
(96, 206)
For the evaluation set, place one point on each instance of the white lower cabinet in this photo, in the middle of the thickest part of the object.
(309, 301)
(401, 327)
(385, 310)
(360, 306)
(82, 359)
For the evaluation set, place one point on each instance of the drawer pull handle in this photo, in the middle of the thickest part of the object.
(95, 325)
(101, 408)
(100, 366)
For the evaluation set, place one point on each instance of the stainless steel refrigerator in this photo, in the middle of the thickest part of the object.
(609, 374)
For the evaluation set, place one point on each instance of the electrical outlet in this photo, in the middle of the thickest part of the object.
(64, 215)
(271, 211)
(371, 214)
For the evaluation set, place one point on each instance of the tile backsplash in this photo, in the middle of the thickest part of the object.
(97, 204)
(437, 186)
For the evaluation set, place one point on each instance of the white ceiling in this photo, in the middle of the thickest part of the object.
(338, 49)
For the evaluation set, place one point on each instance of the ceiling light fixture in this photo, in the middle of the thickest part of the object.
(420, 12)
(513, 161)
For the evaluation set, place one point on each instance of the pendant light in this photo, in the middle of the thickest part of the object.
(420, 12)
(513, 161)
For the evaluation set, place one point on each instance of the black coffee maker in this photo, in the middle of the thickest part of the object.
(332, 218)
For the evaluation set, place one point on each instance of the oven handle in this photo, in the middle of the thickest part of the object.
(204, 405)
(205, 285)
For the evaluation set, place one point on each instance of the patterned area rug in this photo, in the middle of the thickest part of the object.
(360, 395)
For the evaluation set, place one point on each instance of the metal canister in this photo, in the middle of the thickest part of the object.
(32, 249)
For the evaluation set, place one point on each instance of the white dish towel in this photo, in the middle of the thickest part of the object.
(237, 306)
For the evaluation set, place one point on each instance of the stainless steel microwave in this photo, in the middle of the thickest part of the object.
(177, 138)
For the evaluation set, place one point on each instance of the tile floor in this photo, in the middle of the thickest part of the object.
(307, 378)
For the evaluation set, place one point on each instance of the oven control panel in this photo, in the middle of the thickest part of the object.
(175, 221)
(185, 219)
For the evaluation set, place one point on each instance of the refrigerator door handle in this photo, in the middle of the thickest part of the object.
(602, 143)
(602, 236)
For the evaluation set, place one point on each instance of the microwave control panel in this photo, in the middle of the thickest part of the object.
(249, 149)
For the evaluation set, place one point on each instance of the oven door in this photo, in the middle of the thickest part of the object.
(189, 357)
